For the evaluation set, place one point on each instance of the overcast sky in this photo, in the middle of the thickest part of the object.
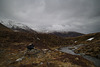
(54, 15)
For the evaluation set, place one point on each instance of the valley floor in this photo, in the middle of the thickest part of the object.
(21, 57)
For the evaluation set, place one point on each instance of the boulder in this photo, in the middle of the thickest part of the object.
(30, 47)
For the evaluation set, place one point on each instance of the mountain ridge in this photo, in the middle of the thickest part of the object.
(17, 27)
(67, 34)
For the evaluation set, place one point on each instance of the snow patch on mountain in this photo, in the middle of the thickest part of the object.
(12, 24)
(15, 26)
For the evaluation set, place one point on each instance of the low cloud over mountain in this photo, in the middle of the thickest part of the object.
(54, 15)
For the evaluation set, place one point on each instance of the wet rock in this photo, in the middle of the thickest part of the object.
(41, 63)
(44, 50)
(76, 58)
(56, 50)
(38, 38)
(20, 59)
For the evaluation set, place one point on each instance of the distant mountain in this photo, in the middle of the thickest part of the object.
(67, 34)
(17, 27)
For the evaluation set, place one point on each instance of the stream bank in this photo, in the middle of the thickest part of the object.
(70, 50)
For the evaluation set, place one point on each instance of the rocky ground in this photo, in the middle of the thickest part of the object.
(14, 53)
(92, 49)
(21, 57)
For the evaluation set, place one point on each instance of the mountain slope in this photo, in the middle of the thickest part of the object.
(13, 51)
(67, 34)
(91, 44)
(17, 27)
(4, 28)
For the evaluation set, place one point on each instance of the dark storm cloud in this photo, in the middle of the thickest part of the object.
(54, 15)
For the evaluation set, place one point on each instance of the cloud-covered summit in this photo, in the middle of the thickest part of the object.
(54, 15)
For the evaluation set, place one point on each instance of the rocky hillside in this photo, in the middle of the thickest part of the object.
(14, 53)
(92, 44)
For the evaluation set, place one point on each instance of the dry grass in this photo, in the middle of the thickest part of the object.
(13, 46)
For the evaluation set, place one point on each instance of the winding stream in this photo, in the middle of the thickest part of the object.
(71, 51)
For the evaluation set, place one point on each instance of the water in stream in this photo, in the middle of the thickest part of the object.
(71, 51)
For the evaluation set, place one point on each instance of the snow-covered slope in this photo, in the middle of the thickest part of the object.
(16, 26)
